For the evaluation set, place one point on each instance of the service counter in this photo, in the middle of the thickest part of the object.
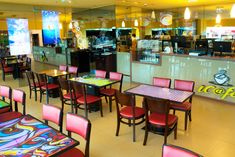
(51, 55)
(214, 76)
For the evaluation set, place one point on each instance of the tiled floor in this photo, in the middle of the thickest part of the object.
(211, 133)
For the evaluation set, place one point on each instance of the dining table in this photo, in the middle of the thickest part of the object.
(29, 137)
(144, 90)
(12, 61)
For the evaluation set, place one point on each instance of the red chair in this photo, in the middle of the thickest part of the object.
(45, 87)
(27, 66)
(19, 96)
(6, 69)
(65, 95)
(186, 107)
(110, 92)
(127, 113)
(100, 73)
(162, 82)
(63, 68)
(73, 71)
(176, 151)
(82, 127)
(157, 116)
(53, 114)
(85, 101)
(5, 92)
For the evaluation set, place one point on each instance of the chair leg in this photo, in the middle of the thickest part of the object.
(129, 122)
(101, 109)
(62, 105)
(165, 135)
(134, 130)
(106, 99)
(110, 104)
(3, 76)
(185, 120)
(86, 110)
(30, 92)
(146, 134)
(118, 126)
(175, 131)
(190, 115)
(35, 93)
(174, 111)
(40, 96)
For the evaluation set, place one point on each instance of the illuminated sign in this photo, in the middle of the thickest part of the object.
(19, 38)
(166, 19)
(221, 80)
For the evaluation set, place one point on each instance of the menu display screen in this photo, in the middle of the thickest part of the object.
(19, 38)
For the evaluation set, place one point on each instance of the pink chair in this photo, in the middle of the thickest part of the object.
(186, 107)
(162, 82)
(82, 127)
(53, 114)
(5, 92)
(63, 68)
(73, 71)
(100, 73)
(19, 96)
(176, 151)
(110, 92)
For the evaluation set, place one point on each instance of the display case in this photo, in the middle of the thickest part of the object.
(148, 51)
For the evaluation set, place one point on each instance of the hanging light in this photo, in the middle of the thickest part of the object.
(136, 23)
(187, 14)
(218, 19)
(232, 13)
(123, 24)
(60, 26)
(153, 16)
(70, 25)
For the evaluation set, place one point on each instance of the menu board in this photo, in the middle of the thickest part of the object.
(220, 32)
(148, 44)
(19, 38)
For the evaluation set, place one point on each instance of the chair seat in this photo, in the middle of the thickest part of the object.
(9, 116)
(8, 69)
(127, 112)
(89, 99)
(108, 91)
(159, 119)
(183, 106)
(50, 86)
(74, 152)
(68, 96)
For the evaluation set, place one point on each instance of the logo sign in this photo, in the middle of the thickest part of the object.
(220, 86)
(166, 19)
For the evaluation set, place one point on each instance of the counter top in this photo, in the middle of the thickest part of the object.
(227, 58)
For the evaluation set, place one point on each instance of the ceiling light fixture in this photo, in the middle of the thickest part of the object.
(69, 1)
(153, 16)
(60, 26)
(187, 13)
(123, 24)
(218, 19)
(232, 13)
(136, 23)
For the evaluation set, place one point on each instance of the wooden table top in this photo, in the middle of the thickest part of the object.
(53, 72)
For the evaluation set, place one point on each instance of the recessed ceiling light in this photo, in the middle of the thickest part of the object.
(145, 4)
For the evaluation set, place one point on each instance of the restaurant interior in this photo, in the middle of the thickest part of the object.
(74, 72)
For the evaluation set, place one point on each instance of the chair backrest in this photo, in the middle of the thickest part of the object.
(53, 114)
(81, 126)
(162, 82)
(19, 96)
(184, 85)
(64, 85)
(176, 151)
(63, 67)
(5, 92)
(123, 99)
(42, 79)
(117, 77)
(73, 70)
(100, 73)
(159, 106)
(30, 78)
(28, 62)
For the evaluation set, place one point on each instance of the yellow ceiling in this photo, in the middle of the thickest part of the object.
(151, 4)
